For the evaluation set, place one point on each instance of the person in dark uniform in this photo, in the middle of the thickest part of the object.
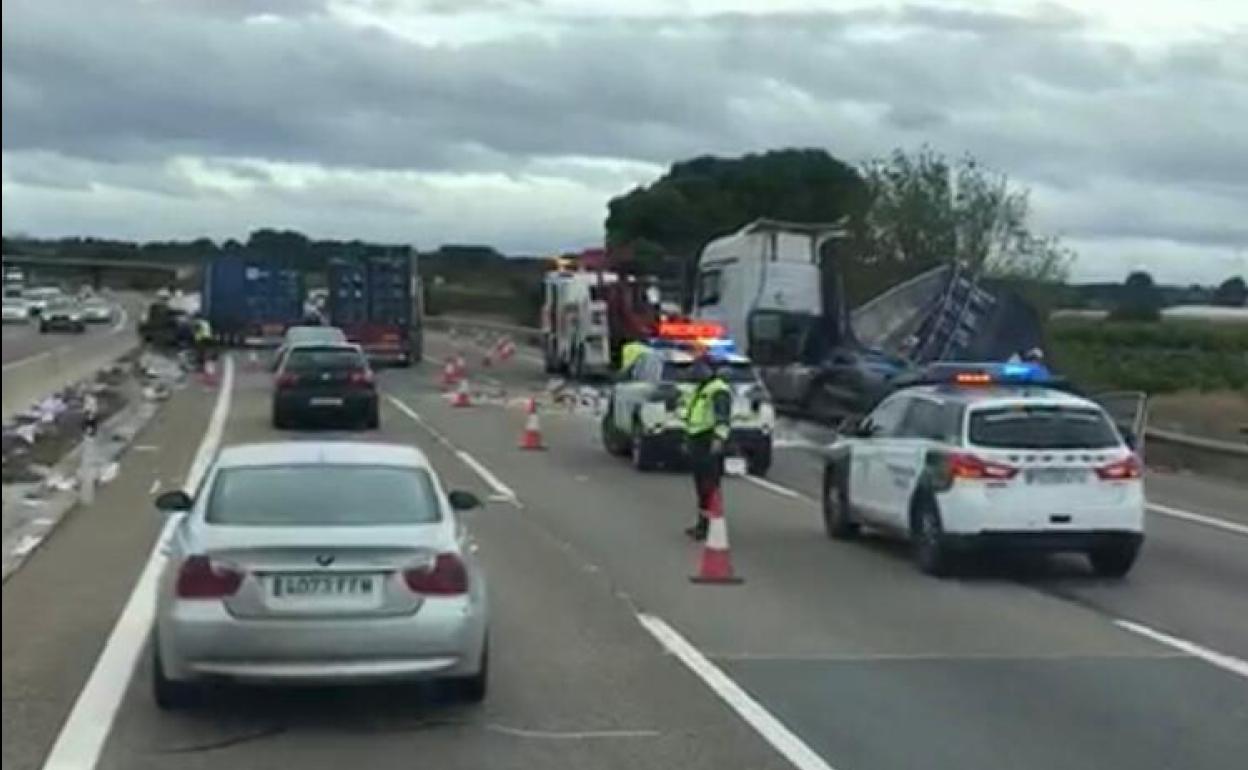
(708, 426)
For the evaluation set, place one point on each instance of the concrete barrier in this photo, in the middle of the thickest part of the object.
(32, 379)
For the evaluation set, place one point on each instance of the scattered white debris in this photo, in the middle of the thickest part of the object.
(109, 473)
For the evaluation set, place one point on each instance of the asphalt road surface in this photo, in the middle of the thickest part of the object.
(829, 655)
(23, 341)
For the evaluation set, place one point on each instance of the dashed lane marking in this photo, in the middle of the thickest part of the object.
(775, 488)
(82, 737)
(1219, 659)
(1197, 518)
(781, 738)
(502, 492)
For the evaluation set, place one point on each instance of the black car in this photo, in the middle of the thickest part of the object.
(61, 317)
(325, 383)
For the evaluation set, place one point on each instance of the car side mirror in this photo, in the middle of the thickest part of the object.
(463, 501)
(174, 501)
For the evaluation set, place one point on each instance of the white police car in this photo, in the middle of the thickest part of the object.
(645, 412)
(995, 457)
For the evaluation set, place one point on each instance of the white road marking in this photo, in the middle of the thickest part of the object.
(502, 492)
(775, 488)
(1221, 660)
(155, 487)
(1208, 521)
(82, 737)
(30, 359)
(763, 721)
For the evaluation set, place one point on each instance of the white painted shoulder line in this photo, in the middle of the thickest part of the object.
(775, 488)
(82, 737)
(772, 730)
(1197, 518)
(1221, 660)
(502, 492)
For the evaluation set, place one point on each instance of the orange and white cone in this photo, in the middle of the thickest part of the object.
(209, 374)
(462, 398)
(532, 436)
(461, 368)
(449, 375)
(716, 562)
(506, 349)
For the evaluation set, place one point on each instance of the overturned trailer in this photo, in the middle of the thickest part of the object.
(777, 287)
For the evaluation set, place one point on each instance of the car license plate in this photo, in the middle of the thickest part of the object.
(734, 466)
(325, 401)
(299, 588)
(1055, 476)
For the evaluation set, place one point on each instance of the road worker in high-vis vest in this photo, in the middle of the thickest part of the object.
(708, 426)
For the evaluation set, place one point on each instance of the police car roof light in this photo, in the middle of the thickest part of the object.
(689, 330)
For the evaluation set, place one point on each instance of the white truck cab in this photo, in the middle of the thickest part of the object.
(988, 464)
(645, 412)
(575, 331)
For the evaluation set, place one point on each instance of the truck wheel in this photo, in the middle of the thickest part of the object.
(1114, 561)
(931, 552)
(642, 451)
(758, 462)
(838, 519)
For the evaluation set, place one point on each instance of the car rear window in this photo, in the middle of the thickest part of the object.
(324, 358)
(315, 334)
(1042, 427)
(322, 495)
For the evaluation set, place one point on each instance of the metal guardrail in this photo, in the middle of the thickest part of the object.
(1195, 442)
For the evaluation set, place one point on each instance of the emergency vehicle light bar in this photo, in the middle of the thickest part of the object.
(688, 330)
(970, 374)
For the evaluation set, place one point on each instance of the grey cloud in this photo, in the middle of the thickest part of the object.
(1032, 94)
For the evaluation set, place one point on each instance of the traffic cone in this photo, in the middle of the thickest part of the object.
(461, 368)
(462, 398)
(716, 561)
(209, 373)
(506, 349)
(449, 375)
(532, 436)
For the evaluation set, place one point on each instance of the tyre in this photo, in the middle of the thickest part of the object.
(931, 551)
(372, 419)
(472, 689)
(611, 439)
(758, 462)
(1114, 561)
(578, 364)
(281, 420)
(43, 328)
(642, 449)
(838, 520)
(170, 694)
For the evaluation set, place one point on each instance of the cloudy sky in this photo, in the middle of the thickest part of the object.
(512, 122)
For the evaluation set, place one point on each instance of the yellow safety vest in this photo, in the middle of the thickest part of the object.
(700, 414)
(629, 354)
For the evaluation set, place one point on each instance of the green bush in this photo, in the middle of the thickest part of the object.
(1154, 357)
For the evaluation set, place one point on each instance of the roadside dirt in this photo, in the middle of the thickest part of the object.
(1219, 415)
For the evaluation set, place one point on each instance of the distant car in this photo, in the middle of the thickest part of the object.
(990, 461)
(40, 297)
(323, 383)
(319, 562)
(16, 310)
(97, 311)
(308, 335)
(61, 316)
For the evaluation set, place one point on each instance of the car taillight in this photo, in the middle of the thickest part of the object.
(1121, 470)
(363, 378)
(202, 578)
(287, 380)
(446, 576)
(965, 466)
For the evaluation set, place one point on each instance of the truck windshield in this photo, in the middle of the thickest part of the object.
(1042, 427)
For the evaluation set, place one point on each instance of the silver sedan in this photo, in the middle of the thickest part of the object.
(319, 563)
